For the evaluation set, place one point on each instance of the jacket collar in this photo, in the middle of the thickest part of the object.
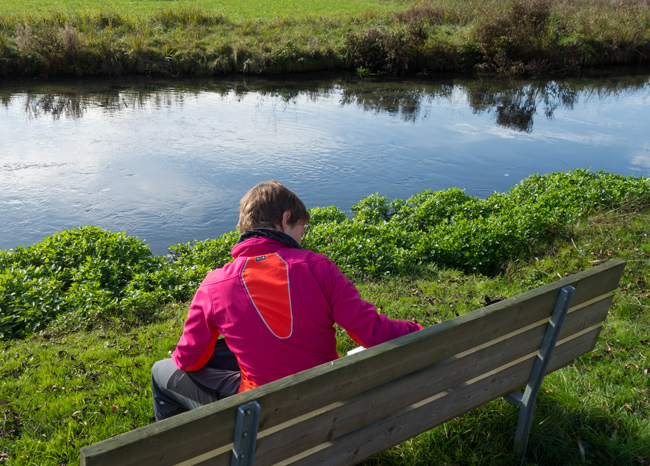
(271, 233)
(255, 244)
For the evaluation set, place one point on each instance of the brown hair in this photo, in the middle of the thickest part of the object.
(264, 205)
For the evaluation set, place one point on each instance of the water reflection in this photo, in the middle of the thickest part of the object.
(514, 104)
(167, 161)
(52, 102)
(515, 107)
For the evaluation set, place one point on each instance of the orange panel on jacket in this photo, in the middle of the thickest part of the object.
(266, 279)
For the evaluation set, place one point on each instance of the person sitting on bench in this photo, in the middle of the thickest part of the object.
(275, 305)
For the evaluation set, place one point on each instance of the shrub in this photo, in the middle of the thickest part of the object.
(378, 50)
(518, 31)
(193, 260)
(50, 48)
(427, 13)
(84, 270)
(517, 40)
(330, 214)
(450, 229)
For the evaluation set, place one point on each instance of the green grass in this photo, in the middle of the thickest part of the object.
(208, 37)
(596, 411)
(65, 392)
(61, 391)
(235, 9)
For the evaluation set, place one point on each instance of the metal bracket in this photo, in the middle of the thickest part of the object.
(243, 448)
(526, 400)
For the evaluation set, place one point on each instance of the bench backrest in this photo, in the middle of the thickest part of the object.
(354, 407)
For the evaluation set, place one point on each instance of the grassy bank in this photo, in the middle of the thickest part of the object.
(210, 37)
(65, 388)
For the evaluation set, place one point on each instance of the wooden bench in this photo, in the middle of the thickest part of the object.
(347, 410)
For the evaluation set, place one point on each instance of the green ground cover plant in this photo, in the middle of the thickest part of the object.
(79, 278)
(211, 37)
(62, 388)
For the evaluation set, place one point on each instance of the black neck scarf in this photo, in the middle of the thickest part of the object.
(271, 234)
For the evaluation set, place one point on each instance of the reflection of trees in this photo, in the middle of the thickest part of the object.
(405, 101)
(57, 102)
(515, 104)
(56, 105)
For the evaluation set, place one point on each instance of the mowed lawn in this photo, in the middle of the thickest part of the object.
(233, 9)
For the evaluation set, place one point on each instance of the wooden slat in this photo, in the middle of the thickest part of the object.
(293, 396)
(586, 315)
(338, 419)
(595, 281)
(423, 348)
(434, 411)
(159, 444)
(219, 457)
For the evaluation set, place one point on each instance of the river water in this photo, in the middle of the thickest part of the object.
(167, 161)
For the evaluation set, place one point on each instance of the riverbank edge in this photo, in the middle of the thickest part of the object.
(519, 38)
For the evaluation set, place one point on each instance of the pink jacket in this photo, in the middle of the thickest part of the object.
(277, 306)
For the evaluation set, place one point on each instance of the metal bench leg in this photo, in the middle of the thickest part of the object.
(526, 400)
(243, 448)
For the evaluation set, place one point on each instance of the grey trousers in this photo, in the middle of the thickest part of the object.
(175, 391)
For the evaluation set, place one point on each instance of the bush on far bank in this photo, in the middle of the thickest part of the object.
(515, 38)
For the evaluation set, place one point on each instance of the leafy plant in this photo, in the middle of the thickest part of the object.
(84, 271)
(78, 278)
(450, 229)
